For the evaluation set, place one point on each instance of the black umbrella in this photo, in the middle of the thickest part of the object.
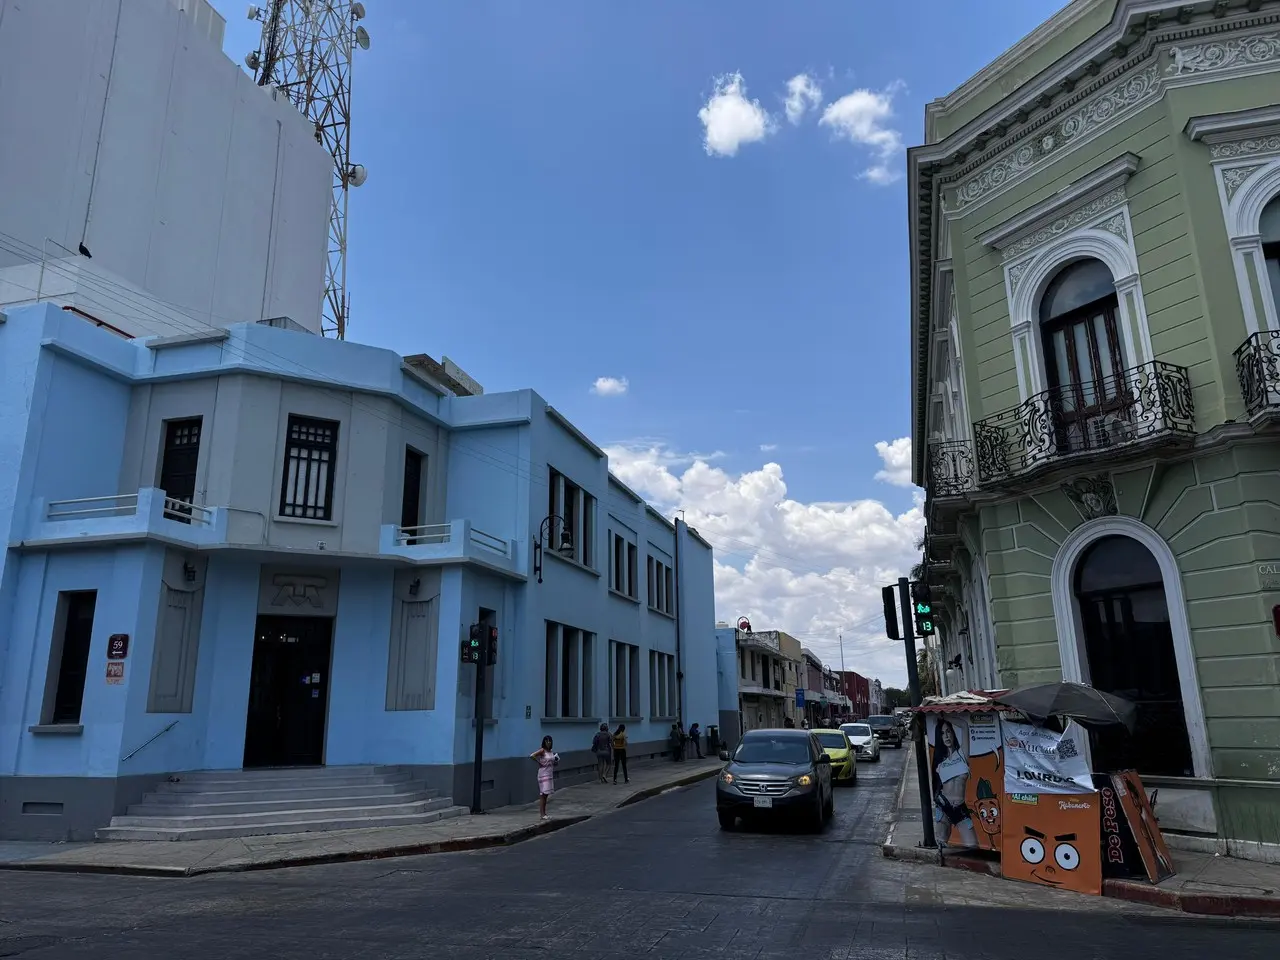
(1087, 706)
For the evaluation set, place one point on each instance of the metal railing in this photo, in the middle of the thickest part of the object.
(1135, 405)
(489, 542)
(1258, 368)
(951, 472)
(185, 512)
(438, 533)
(84, 508)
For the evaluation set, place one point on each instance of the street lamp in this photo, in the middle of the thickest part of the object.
(545, 530)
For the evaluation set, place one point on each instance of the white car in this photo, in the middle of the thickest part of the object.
(865, 744)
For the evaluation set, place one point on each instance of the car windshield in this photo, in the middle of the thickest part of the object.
(766, 749)
(881, 721)
(835, 741)
(857, 730)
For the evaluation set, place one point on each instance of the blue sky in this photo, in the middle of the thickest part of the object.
(543, 208)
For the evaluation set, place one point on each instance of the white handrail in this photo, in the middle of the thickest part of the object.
(175, 509)
(488, 541)
(92, 506)
(424, 533)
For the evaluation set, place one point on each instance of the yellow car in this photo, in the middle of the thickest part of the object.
(844, 768)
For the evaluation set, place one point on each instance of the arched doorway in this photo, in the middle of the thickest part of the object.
(1128, 650)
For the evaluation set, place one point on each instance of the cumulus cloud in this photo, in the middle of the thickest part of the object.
(610, 386)
(862, 117)
(803, 95)
(729, 119)
(897, 462)
(812, 569)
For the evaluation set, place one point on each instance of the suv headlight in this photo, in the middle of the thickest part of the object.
(726, 776)
(804, 780)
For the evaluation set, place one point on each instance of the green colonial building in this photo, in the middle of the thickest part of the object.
(1095, 253)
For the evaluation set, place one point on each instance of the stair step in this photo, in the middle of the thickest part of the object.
(244, 792)
(294, 773)
(339, 822)
(230, 780)
(297, 817)
(206, 805)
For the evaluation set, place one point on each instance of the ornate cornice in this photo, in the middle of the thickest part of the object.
(1065, 223)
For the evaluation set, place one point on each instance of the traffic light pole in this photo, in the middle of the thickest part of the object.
(482, 667)
(913, 681)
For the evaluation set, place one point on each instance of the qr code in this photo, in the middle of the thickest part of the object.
(1067, 750)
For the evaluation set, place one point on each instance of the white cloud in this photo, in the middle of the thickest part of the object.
(897, 462)
(729, 119)
(812, 569)
(803, 95)
(768, 447)
(610, 386)
(861, 117)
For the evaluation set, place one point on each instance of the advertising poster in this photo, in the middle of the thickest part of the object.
(1053, 839)
(1038, 760)
(1156, 861)
(1120, 857)
(965, 774)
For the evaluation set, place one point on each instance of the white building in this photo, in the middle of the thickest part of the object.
(201, 198)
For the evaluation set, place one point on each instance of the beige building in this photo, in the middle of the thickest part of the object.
(768, 673)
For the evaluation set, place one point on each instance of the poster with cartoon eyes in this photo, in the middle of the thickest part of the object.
(965, 769)
(1053, 839)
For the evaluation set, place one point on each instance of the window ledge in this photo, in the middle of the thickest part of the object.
(671, 719)
(626, 719)
(594, 721)
(662, 613)
(624, 596)
(305, 521)
(573, 563)
(57, 729)
(488, 722)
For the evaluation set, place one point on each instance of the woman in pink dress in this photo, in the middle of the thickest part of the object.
(546, 759)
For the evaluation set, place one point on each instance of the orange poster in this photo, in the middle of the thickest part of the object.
(1142, 821)
(966, 776)
(1053, 839)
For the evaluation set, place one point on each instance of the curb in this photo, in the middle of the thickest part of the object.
(460, 845)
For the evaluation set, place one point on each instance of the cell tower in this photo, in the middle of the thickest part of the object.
(306, 52)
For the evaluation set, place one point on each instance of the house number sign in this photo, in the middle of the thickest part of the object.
(118, 646)
(1269, 575)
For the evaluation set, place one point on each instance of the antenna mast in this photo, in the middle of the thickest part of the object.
(306, 52)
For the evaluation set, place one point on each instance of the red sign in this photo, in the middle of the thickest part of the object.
(744, 624)
(118, 646)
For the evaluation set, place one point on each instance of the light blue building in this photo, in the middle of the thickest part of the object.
(254, 547)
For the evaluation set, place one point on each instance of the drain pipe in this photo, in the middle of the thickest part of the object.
(679, 617)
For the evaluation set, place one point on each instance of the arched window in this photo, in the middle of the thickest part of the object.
(1128, 644)
(1269, 227)
(1083, 362)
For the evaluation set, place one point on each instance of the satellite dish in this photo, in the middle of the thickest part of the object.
(357, 174)
(357, 10)
(253, 60)
(362, 38)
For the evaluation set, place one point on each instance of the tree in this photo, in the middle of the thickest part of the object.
(928, 673)
(893, 697)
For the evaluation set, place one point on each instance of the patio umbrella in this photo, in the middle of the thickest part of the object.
(1083, 704)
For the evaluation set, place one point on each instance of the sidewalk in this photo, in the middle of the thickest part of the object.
(500, 827)
(1204, 884)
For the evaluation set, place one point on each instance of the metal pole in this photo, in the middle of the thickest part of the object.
(844, 681)
(913, 681)
(481, 668)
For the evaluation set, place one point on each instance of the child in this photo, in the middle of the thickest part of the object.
(546, 760)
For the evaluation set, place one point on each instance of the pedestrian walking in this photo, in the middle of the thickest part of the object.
(546, 759)
(620, 753)
(695, 738)
(602, 747)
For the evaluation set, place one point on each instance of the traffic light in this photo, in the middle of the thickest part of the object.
(890, 597)
(491, 646)
(472, 646)
(922, 601)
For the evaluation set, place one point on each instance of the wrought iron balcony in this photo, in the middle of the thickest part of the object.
(1139, 406)
(950, 468)
(1258, 367)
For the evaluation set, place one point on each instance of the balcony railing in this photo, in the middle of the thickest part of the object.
(1083, 420)
(1258, 367)
(440, 533)
(124, 505)
(950, 468)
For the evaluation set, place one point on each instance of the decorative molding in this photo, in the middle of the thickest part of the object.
(1251, 147)
(1015, 273)
(1093, 497)
(1117, 225)
(1104, 187)
(1234, 178)
(1226, 54)
(1066, 224)
(1216, 128)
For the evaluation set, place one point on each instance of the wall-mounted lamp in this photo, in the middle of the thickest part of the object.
(415, 586)
(545, 532)
(189, 573)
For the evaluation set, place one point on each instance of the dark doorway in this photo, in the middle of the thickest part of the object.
(411, 497)
(288, 692)
(73, 660)
(178, 465)
(1129, 648)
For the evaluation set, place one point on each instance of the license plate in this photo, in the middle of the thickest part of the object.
(764, 803)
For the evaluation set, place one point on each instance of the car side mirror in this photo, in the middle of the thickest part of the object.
(724, 755)
(825, 758)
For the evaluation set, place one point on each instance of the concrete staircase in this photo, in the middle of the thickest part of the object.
(214, 804)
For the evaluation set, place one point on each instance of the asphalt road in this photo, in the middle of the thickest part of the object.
(656, 880)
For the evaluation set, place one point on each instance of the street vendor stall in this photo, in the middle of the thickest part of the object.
(1009, 774)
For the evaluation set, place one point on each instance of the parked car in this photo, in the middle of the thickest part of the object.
(886, 729)
(865, 744)
(844, 770)
(775, 773)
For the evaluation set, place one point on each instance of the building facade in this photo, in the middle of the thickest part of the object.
(857, 689)
(255, 547)
(1095, 225)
